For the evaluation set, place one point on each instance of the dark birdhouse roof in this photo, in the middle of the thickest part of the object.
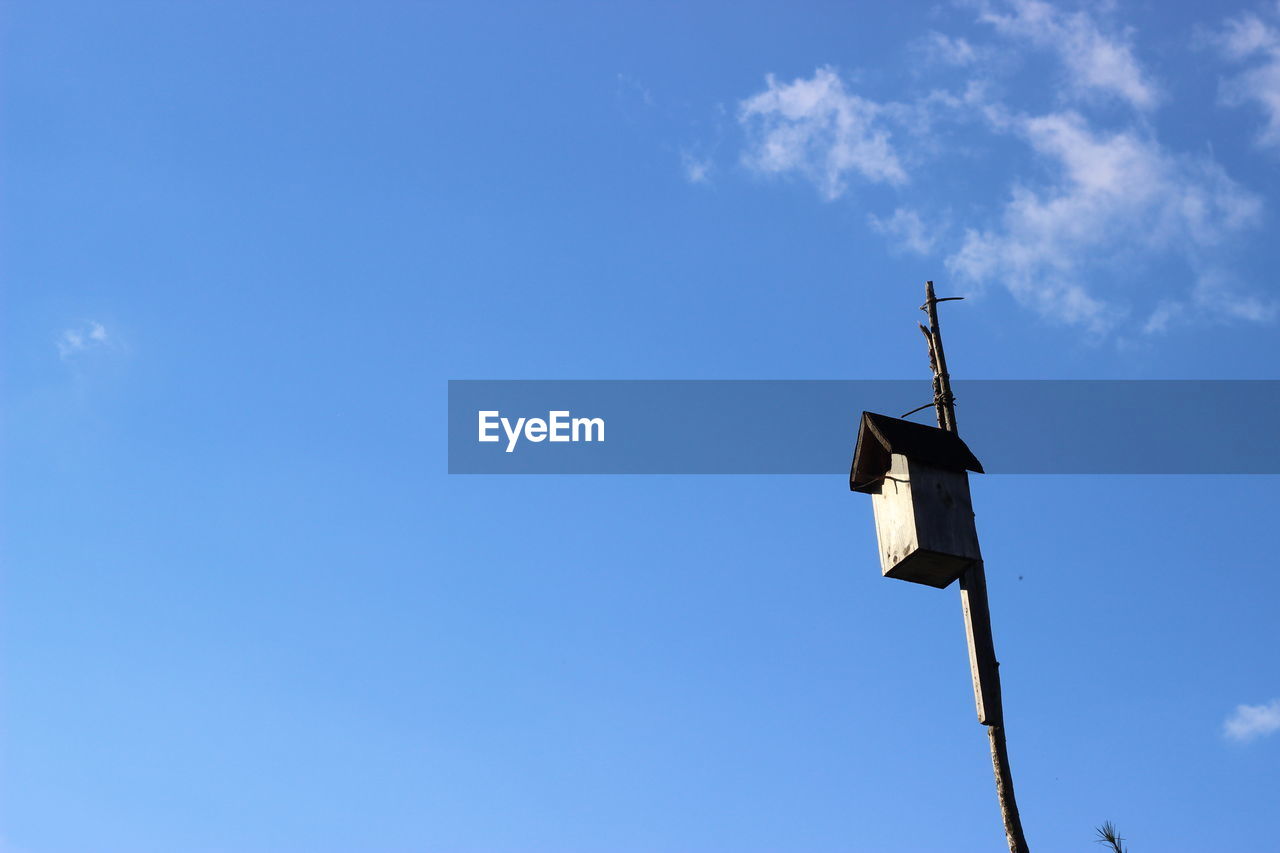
(880, 435)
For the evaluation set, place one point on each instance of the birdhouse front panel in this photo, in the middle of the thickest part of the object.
(924, 522)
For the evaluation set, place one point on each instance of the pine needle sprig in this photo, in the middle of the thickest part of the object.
(1108, 834)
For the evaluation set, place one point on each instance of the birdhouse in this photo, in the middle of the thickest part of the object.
(916, 476)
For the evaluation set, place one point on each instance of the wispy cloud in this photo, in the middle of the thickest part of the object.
(631, 89)
(1096, 62)
(1215, 295)
(1092, 206)
(818, 129)
(1248, 722)
(1112, 194)
(1250, 40)
(697, 170)
(79, 338)
(906, 229)
(948, 50)
(633, 99)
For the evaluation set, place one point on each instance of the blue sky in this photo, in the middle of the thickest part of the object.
(245, 245)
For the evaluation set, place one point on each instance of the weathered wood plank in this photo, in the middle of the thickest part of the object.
(924, 523)
(982, 651)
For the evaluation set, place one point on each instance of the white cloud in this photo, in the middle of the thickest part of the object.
(950, 50)
(631, 89)
(1249, 39)
(81, 337)
(1104, 208)
(1095, 62)
(907, 228)
(815, 128)
(1252, 721)
(1215, 296)
(1215, 291)
(697, 170)
(1116, 198)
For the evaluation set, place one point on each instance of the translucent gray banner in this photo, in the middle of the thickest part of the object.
(809, 426)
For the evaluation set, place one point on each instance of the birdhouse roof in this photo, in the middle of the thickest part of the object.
(880, 436)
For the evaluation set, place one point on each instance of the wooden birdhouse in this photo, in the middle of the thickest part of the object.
(916, 476)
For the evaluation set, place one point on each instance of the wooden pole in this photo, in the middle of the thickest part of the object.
(973, 601)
